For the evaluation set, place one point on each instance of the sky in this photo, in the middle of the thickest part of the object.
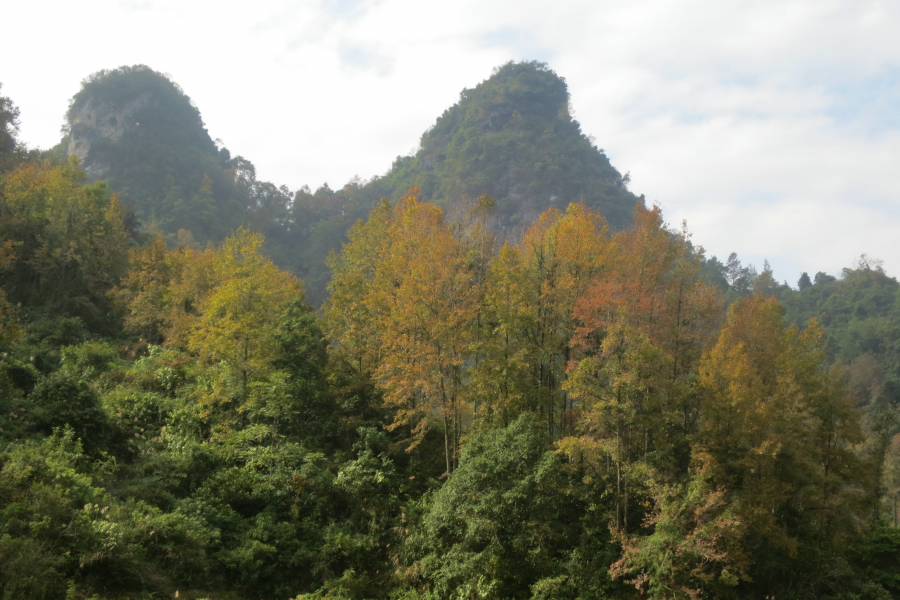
(772, 127)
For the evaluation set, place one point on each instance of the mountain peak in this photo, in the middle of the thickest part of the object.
(138, 129)
(115, 107)
(513, 137)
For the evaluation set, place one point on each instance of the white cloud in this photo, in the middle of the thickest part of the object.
(771, 126)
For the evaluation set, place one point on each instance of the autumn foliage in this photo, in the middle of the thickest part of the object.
(714, 438)
(569, 413)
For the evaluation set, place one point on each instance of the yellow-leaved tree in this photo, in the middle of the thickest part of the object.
(70, 241)
(9, 328)
(239, 317)
(224, 307)
(163, 290)
(349, 319)
(528, 305)
(774, 468)
(784, 425)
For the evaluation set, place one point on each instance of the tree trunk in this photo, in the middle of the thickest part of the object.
(447, 444)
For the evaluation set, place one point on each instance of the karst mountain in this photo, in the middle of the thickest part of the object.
(511, 137)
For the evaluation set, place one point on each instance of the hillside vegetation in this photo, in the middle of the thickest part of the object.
(587, 411)
(511, 137)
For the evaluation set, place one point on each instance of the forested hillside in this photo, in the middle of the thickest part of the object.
(512, 137)
(592, 410)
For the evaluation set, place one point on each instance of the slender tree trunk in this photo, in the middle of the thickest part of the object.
(895, 512)
(677, 331)
(618, 481)
(456, 433)
(447, 444)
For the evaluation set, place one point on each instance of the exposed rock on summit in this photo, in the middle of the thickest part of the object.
(137, 129)
(96, 120)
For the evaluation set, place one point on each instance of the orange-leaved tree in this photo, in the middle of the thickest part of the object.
(642, 324)
(403, 302)
(424, 303)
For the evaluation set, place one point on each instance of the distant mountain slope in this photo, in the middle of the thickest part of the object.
(860, 312)
(512, 136)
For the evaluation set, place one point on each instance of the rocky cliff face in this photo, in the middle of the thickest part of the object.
(137, 130)
(98, 120)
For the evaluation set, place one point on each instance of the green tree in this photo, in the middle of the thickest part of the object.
(9, 125)
(503, 521)
(528, 314)
(302, 355)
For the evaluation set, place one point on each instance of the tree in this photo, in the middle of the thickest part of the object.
(9, 124)
(402, 309)
(501, 523)
(695, 547)
(302, 354)
(619, 387)
(654, 276)
(349, 319)
(781, 430)
(9, 328)
(145, 291)
(650, 296)
(765, 283)
(162, 292)
(62, 399)
(71, 245)
(239, 318)
(733, 270)
(642, 326)
(527, 313)
(424, 304)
